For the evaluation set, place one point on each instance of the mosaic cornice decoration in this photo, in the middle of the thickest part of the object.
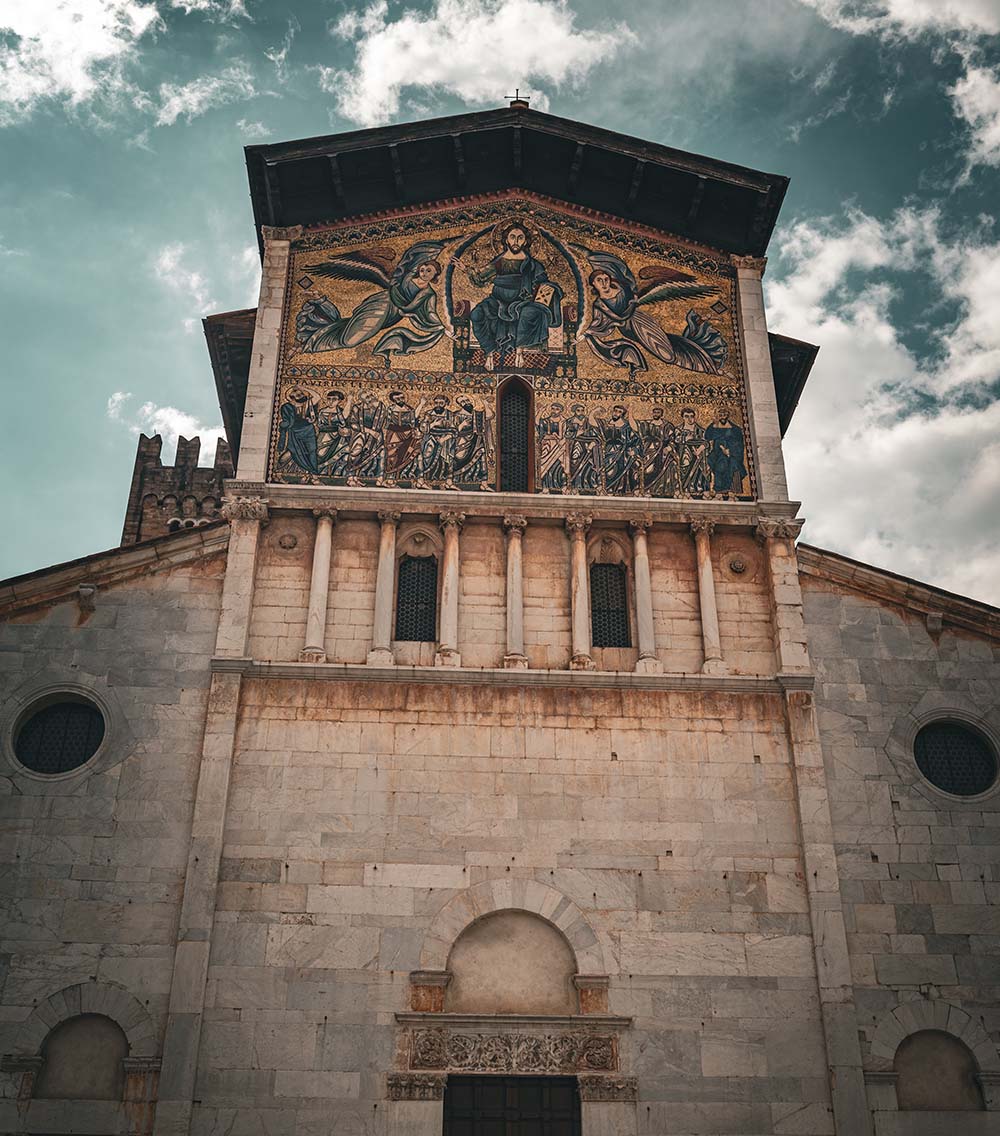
(402, 333)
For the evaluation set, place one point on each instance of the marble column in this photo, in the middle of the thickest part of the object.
(447, 653)
(319, 588)
(380, 654)
(515, 658)
(577, 525)
(647, 663)
(711, 640)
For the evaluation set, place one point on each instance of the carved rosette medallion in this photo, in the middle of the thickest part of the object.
(416, 1086)
(513, 1052)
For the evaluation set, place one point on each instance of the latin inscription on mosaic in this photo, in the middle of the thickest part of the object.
(401, 335)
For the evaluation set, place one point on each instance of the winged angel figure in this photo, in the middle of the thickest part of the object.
(406, 292)
(620, 326)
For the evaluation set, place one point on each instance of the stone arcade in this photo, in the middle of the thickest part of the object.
(485, 755)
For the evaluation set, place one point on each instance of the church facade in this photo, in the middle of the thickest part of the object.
(474, 748)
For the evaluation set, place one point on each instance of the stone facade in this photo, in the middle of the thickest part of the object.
(313, 872)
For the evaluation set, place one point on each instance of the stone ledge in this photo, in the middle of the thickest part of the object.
(479, 1021)
(485, 676)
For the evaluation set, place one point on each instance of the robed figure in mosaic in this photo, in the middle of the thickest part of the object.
(406, 293)
(621, 328)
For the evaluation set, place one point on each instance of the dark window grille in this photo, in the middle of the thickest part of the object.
(955, 758)
(59, 737)
(511, 1106)
(515, 438)
(609, 606)
(416, 599)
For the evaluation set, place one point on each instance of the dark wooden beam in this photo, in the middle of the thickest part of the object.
(696, 199)
(338, 182)
(397, 171)
(574, 170)
(273, 191)
(636, 183)
(459, 154)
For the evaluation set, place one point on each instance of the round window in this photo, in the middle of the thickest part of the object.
(58, 735)
(955, 758)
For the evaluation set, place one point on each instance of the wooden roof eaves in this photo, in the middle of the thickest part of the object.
(912, 595)
(59, 583)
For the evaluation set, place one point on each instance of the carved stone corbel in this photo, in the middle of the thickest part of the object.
(279, 233)
(754, 263)
(245, 509)
(416, 1086)
(622, 1089)
(780, 528)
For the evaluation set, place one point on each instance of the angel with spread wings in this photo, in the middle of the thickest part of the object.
(406, 292)
(621, 326)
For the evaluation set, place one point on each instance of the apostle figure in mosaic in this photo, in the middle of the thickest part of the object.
(366, 457)
(507, 319)
(621, 328)
(473, 442)
(659, 471)
(727, 456)
(333, 433)
(405, 293)
(622, 452)
(692, 456)
(437, 446)
(401, 428)
(297, 430)
(553, 450)
(585, 460)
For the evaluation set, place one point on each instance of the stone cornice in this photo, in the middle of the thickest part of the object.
(102, 570)
(476, 676)
(354, 502)
(923, 599)
(515, 1021)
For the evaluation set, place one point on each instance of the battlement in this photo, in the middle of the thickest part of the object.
(165, 498)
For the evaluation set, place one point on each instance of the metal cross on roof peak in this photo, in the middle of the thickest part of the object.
(517, 99)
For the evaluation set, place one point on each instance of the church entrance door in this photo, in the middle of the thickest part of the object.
(511, 1106)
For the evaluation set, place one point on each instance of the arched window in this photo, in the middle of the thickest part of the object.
(82, 1060)
(609, 626)
(515, 437)
(936, 1072)
(416, 599)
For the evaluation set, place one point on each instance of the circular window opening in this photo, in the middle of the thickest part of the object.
(60, 734)
(955, 758)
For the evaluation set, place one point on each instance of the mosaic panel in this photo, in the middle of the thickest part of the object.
(399, 332)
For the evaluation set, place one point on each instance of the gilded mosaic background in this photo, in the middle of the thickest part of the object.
(399, 333)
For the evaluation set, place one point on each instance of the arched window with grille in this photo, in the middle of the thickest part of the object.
(416, 599)
(609, 621)
(515, 437)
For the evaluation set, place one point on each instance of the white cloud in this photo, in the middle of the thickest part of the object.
(475, 49)
(897, 462)
(253, 129)
(976, 97)
(908, 19)
(189, 100)
(245, 274)
(68, 50)
(279, 55)
(167, 421)
(172, 270)
(218, 9)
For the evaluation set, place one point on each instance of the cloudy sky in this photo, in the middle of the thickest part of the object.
(125, 217)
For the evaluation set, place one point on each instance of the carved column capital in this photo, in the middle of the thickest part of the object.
(754, 263)
(623, 1089)
(388, 517)
(416, 1086)
(515, 524)
(322, 511)
(451, 520)
(279, 233)
(244, 509)
(702, 526)
(771, 528)
(641, 525)
(578, 524)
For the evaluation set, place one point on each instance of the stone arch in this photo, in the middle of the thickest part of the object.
(898, 1024)
(512, 894)
(104, 998)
